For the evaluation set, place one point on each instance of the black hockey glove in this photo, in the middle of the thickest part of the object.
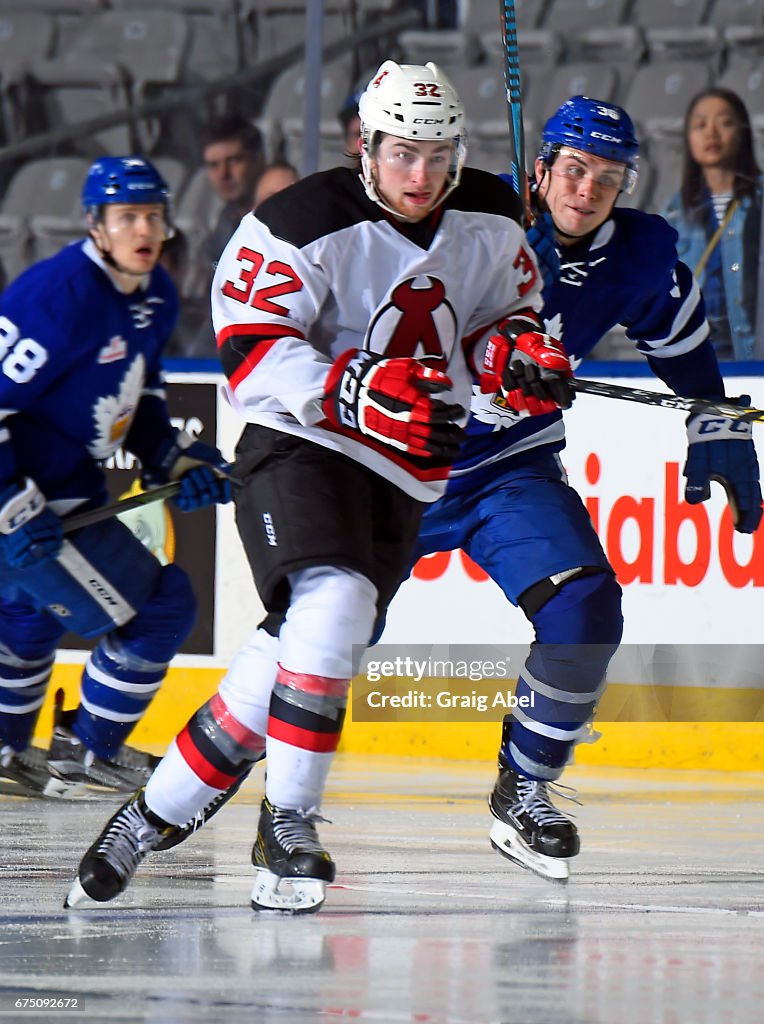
(390, 400)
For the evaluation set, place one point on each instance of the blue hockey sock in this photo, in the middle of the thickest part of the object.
(117, 688)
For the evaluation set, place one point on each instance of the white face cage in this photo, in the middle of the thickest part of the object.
(415, 102)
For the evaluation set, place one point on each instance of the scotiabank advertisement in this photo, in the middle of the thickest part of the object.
(687, 577)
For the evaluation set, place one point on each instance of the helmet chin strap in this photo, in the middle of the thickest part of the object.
(111, 262)
(542, 202)
(107, 257)
(370, 189)
(94, 224)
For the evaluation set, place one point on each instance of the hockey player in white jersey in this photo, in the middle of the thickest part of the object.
(352, 313)
(81, 339)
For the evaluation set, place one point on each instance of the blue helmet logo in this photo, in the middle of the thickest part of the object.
(596, 127)
(124, 179)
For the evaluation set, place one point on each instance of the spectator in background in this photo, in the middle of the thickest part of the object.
(717, 212)
(276, 176)
(350, 123)
(234, 159)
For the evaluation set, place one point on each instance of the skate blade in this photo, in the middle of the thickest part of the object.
(78, 899)
(506, 841)
(287, 895)
(60, 789)
(53, 789)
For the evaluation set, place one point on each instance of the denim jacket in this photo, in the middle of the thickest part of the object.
(739, 251)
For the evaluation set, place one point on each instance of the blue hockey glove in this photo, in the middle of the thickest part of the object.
(203, 473)
(722, 449)
(29, 531)
(541, 238)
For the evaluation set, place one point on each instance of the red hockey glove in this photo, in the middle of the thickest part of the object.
(531, 369)
(390, 400)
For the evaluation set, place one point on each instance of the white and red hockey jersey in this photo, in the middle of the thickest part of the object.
(322, 269)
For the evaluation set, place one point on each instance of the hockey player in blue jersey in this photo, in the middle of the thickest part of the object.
(508, 504)
(81, 338)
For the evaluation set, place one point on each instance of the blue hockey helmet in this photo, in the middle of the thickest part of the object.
(124, 179)
(593, 126)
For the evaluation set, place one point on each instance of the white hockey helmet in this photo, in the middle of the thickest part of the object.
(415, 102)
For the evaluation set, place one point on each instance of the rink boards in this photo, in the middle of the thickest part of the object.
(692, 601)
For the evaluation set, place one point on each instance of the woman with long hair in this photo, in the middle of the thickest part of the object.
(717, 212)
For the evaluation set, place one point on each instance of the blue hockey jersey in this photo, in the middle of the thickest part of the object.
(627, 273)
(81, 373)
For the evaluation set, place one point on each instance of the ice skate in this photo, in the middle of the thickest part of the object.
(529, 829)
(71, 762)
(292, 868)
(108, 866)
(25, 773)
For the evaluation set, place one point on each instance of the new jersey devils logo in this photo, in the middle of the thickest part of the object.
(417, 321)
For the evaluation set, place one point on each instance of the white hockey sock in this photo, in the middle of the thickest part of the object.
(295, 778)
(247, 686)
(327, 627)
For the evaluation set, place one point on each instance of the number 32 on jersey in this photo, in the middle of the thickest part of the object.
(253, 266)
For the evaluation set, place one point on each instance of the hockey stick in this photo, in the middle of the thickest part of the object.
(513, 93)
(96, 515)
(692, 405)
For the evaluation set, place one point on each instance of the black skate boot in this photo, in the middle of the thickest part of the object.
(529, 829)
(25, 773)
(107, 868)
(71, 763)
(293, 869)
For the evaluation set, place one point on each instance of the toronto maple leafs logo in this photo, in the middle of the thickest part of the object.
(492, 410)
(556, 329)
(113, 414)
